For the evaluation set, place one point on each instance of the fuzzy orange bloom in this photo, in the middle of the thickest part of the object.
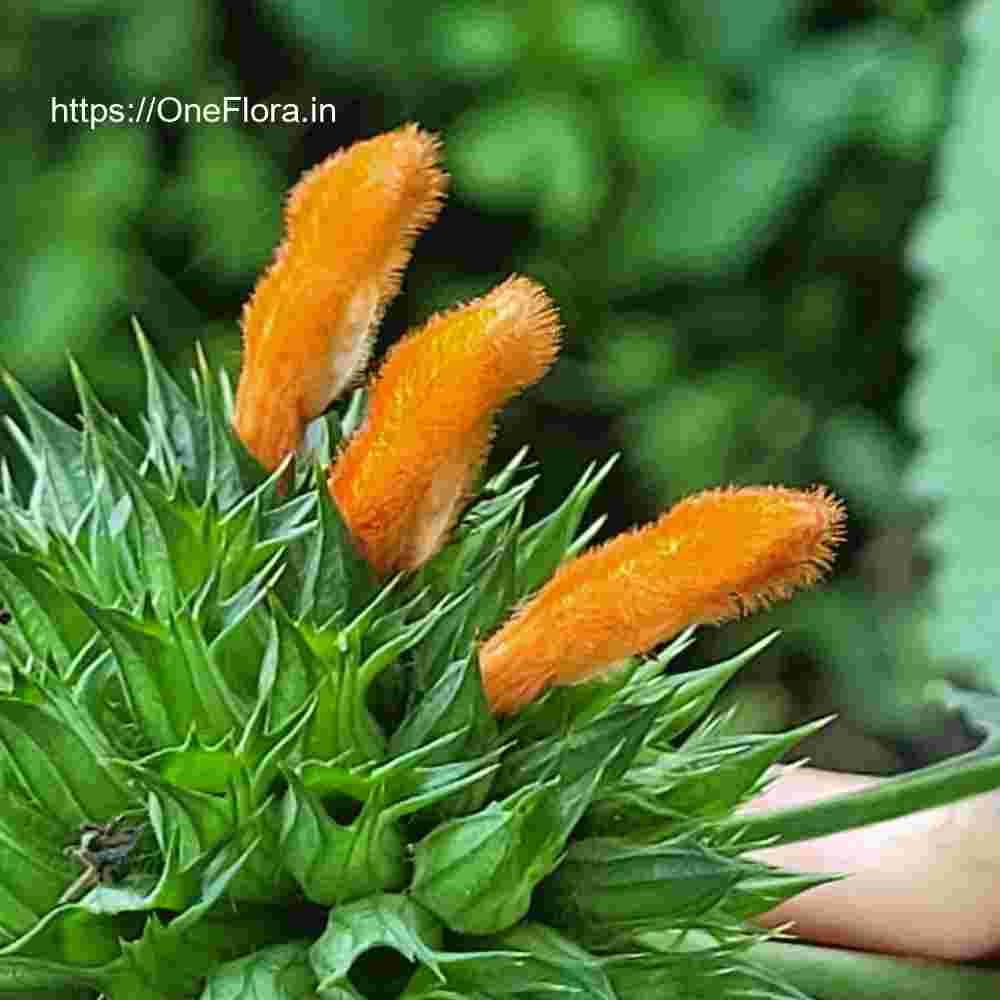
(351, 223)
(402, 478)
(716, 555)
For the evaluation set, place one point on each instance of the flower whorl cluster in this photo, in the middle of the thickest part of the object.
(402, 479)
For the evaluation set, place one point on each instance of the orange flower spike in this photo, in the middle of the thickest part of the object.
(351, 223)
(714, 556)
(402, 478)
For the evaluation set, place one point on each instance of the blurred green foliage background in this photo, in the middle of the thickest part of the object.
(717, 192)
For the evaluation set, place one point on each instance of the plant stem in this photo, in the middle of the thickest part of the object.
(937, 785)
(838, 973)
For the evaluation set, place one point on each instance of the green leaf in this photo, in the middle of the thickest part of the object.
(170, 677)
(171, 960)
(34, 871)
(162, 544)
(193, 441)
(728, 770)
(69, 947)
(414, 787)
(380, 921)
(335, 863)
(282, 972)
(531, 960)
(551, 962)
(406, 638)
(326, 665)
(281, 524)
(57, 767)
(97, 420)
(193, 827)
(232, 472)
(477, 873)
(62, 485)
(330, 575)
(195, 766)
(188, 824)
(479, 531)
(492, 592)
(173, 424)
(707, 972)
(263, 878)
(48, 623)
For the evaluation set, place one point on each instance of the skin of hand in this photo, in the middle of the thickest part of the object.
(925, 885)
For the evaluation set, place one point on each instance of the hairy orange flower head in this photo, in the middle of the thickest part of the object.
(716, 555)
(402, 478)
(350, 226)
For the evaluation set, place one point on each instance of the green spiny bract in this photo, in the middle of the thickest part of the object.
(265, 765)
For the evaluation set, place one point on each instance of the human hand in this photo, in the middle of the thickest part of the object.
(926, 884)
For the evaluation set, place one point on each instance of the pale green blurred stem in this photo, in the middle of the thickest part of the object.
(841, 974)
(938, 785)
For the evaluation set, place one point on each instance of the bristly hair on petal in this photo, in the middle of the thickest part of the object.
(351, 223)
(402, 479)
(712, 557)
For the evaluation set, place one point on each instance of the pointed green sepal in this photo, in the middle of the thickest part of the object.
(706, 779)
(455, 702)
(693, 692)
(608, 888)
(594, 753)
(543, 546)
(764, 890)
